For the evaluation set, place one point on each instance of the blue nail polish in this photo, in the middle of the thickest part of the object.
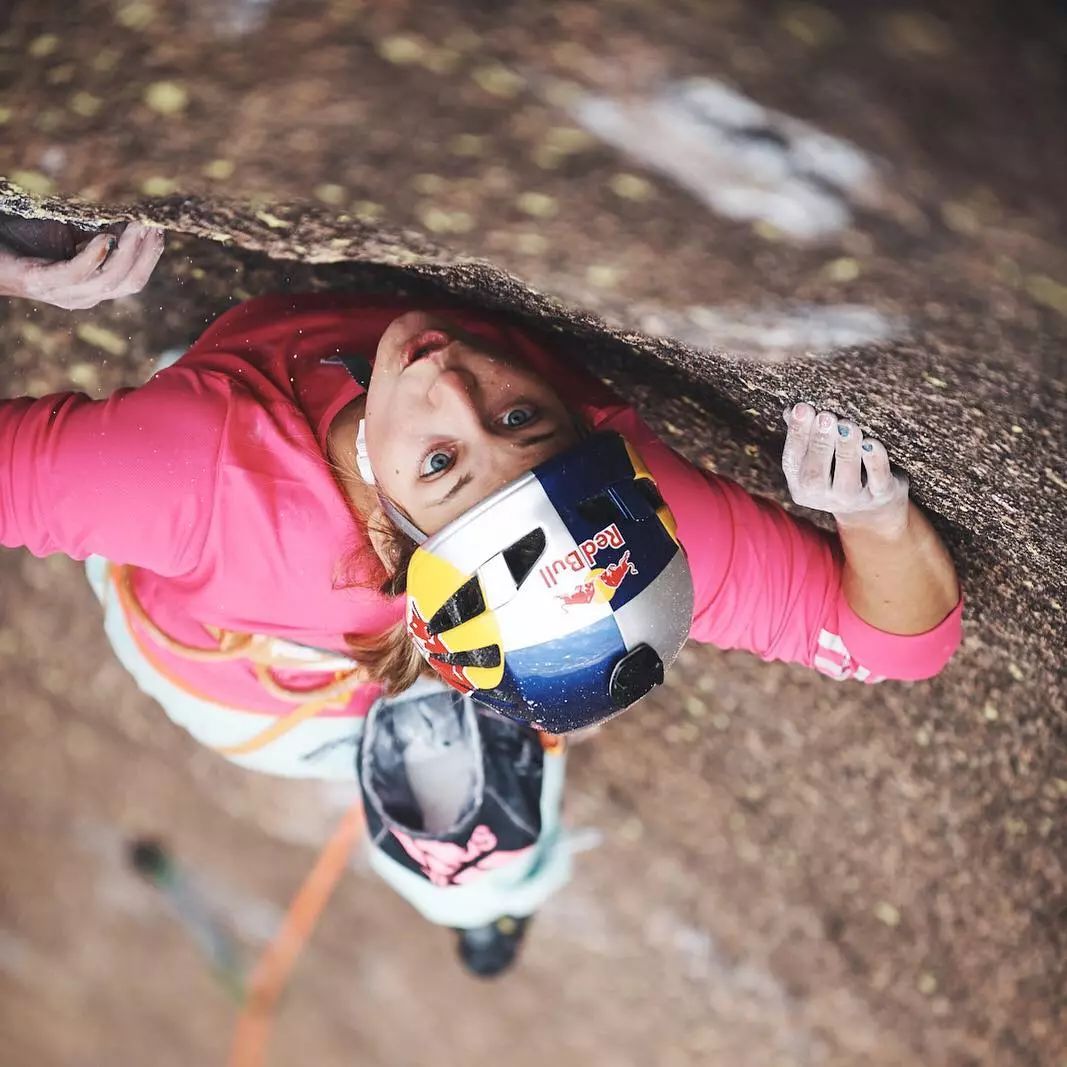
(842, 430)
(867, 446)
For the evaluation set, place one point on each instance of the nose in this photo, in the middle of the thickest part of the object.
(455, 393)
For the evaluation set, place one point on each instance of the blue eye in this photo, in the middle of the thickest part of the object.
(516, 417)
(435, 462)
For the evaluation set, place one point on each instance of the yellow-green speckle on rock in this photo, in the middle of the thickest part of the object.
(32, 334)
(695, 708)
(767, 230)
(531, 244)
(33, 181)
(85, 376)
(5, 115)
(602, 275)
(842, 269)
(569, 139)
(273, 221)
(85, 104)
(886, 913)
(540, 205)
(331, 194)
(136, 15)
(218, 170)
(438, 220)
(101, 337)
(43, 46)
(960, 218)
(498, 80)
(927, 984)
(1048, 291)
(368, 209)
(157, 185)
(631, 186)
(166, 97)
(401, 49)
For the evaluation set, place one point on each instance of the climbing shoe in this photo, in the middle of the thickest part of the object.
(489, 950)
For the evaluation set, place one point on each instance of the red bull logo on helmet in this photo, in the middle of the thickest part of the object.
(583, 557)
(601, 583)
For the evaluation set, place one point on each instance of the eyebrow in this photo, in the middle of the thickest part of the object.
(463, 480)
(529, 442)
(466, 479)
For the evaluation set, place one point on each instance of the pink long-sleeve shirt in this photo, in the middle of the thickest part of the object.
(211, 480)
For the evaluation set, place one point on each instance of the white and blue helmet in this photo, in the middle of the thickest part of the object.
(560, 599)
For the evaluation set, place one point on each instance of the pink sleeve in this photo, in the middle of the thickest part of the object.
(770, 583)
(131, 477)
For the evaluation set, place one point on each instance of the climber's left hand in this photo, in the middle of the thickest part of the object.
(825, 459)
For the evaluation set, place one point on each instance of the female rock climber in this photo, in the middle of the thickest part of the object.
(328, 493)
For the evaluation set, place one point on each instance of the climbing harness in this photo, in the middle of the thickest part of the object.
(266, 655)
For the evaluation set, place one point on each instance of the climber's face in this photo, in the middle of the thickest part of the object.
(450, 419)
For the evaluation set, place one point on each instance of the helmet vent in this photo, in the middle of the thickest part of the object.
(601, 510)
(464, 604)
(522, 556)
(486, 656)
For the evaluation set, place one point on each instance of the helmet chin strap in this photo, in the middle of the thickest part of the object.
(401, 521)
(366, 472)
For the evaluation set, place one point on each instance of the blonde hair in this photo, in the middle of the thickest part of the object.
(391, 656)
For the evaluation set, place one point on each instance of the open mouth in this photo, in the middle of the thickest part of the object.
(424, 344)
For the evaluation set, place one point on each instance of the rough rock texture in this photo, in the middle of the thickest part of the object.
(793, 872)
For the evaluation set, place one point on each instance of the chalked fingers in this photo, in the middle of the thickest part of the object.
(817, 461)
(880, 481)
(847, 464)
(799, 420)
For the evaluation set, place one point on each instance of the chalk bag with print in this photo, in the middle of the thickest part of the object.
(450, 791)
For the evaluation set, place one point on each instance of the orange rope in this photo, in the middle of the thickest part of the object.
(279, 728)
(233, 649)
(249, 1048)
(344, 684)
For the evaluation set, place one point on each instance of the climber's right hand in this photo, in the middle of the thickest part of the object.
(104, 269)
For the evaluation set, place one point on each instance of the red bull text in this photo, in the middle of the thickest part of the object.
(583, 557)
